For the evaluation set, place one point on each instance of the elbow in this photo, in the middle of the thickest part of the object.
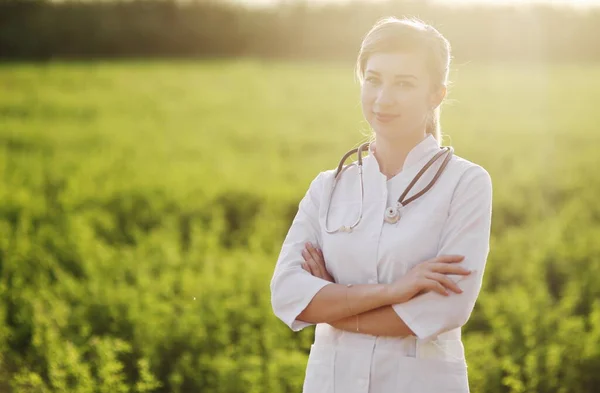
(453, 321)
(280, 306)
(289, 303)
(292, 292)
(457, 320)
(463, 317)
(288, 314)
(464, 305)
(434, 332)
(281, 310)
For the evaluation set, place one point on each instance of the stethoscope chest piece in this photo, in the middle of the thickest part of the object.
(392, 214)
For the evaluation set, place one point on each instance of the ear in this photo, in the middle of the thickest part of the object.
(438, 96)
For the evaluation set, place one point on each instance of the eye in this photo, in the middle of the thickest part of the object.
(372, 80)
(405, 84)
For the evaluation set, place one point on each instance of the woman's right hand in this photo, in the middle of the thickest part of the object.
(430, 275)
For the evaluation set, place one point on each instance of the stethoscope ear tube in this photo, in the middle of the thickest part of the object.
(340, 169)
(449, 151)
(360, 150)
(392, 214)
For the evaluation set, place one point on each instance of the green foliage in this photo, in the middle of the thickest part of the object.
(142, 207)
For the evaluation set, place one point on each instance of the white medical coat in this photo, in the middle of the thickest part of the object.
(453, 217)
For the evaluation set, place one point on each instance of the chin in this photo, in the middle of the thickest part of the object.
(395, 129)
(389, 130)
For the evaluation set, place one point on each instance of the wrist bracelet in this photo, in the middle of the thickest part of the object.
(348, 306)
(348, 286)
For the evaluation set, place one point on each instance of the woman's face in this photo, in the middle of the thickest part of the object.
(397, 94)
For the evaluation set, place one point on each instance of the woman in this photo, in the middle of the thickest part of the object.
(387, 278)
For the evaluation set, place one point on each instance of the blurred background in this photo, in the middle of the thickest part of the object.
(153, 154)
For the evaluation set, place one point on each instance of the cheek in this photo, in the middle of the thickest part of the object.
(414, 97)
(367, 100)
(415, 104)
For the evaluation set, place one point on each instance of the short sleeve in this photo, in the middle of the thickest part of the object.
(466, 232)
(293, 288)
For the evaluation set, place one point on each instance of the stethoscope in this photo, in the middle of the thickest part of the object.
(392, 213)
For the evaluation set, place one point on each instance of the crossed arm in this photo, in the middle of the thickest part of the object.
(381, 320)
(301, 298)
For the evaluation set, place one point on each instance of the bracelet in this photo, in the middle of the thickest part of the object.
(349, 309)
(348, 304)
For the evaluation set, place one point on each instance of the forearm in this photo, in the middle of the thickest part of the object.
(382, 321)
(335, 302)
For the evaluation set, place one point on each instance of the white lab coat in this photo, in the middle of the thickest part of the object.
(453, 217)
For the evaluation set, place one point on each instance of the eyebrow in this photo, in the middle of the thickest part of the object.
(397, 76)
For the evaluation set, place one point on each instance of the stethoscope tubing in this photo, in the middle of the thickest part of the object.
(448, 150)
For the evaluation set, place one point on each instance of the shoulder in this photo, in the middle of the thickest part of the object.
(470, 176)
(319, 183)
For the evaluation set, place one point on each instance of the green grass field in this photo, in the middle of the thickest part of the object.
(142, 205)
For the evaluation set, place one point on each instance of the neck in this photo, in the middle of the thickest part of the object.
(391, 153)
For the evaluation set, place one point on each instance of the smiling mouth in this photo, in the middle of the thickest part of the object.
(384, 117)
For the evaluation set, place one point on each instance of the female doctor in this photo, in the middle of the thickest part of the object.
(386, 255)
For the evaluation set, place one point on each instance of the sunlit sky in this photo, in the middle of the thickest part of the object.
(573, 3)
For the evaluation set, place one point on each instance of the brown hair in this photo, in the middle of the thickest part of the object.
(409, 34)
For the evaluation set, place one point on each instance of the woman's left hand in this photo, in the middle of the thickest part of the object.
(315, 263)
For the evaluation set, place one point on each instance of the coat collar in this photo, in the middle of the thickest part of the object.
(425, 149)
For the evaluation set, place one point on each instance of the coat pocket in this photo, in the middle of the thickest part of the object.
(319, 370)
(422, 375)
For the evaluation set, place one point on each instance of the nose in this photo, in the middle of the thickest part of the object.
(385, 97)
